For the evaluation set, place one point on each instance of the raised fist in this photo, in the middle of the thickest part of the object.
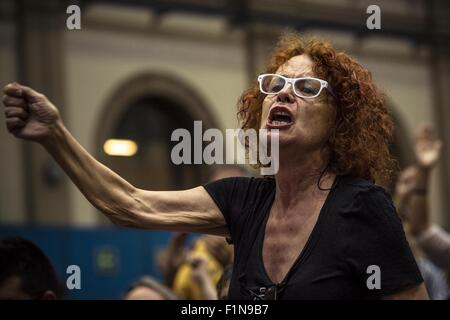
(29, 114)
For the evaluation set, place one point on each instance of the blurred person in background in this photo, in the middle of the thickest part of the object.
(172, 257)
(412, 197)
(202, 279)
(435, 279)
(433, 240)
(147, 288)
(333, 128)
(26, 273)
(197, 278)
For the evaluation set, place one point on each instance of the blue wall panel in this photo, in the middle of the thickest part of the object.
(109, 259)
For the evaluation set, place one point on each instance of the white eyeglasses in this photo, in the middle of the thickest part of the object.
(304, 87)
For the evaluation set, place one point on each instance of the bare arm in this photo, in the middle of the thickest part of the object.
(427, 151)
(418, 216)
(188, 210)
(30, 115)
(435, 242)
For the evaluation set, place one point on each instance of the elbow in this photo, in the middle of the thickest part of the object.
(121, 217)
(119, 209)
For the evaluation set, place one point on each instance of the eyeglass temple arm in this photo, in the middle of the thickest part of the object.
(331, 91)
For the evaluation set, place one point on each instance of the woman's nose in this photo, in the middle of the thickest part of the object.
(286, 95)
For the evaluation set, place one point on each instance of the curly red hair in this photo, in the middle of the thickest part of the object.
(359, 144)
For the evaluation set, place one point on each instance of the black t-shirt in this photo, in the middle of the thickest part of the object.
(357, 227)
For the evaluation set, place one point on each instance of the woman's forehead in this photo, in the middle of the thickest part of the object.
(297, 66)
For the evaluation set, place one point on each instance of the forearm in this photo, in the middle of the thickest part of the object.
(435, 243)
(418, 204)
(106, 190)
(423, 177)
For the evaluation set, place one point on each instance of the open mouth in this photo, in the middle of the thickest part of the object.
(280, 117)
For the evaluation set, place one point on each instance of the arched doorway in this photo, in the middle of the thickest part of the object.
(146, 110)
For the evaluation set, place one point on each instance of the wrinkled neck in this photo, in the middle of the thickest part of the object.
(298, 178)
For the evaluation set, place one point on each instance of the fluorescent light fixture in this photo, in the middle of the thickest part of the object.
(120, 147)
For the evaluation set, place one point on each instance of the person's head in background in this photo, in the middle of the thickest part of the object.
(147, 288)
(224, 283)
(25, 271)
(229, 170)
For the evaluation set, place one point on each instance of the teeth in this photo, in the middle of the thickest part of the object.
(279, 122)
(280, 117)
(281, 113)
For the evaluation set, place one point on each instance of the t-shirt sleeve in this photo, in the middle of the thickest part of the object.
(229, 196)
(376, 248)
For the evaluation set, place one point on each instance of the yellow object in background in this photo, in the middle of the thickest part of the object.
(184, 286)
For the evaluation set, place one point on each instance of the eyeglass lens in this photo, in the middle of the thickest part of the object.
(304, 87)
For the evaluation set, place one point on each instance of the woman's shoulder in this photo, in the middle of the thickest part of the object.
(360, 186)
(361, 195)
(369, 208)
(240, 186)
(245, 181)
